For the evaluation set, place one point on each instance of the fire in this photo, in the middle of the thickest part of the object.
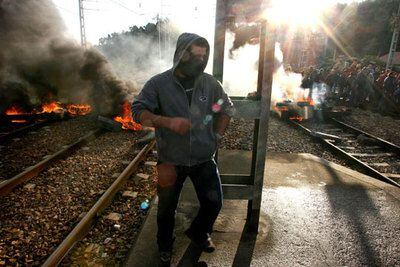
(308, 100)
(126, 119)
(296, 118)
(52, 107)
(78, 109)
(14, 110)
(18, 121)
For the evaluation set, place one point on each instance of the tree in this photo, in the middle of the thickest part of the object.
(364, 28)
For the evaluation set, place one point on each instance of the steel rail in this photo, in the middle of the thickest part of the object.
(22, 130)
(361, 166)
(7, 185)
(83, 226)
(384, 143)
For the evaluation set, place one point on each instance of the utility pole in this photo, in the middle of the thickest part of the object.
(82, 24)
(393, 45)
(159, 36)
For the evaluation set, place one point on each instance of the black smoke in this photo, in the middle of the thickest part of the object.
(244, 34)
(38, 63)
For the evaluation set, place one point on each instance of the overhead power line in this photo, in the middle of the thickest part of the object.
(65, 9)
(125, 7)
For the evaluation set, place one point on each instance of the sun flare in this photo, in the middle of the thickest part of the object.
(295, 13)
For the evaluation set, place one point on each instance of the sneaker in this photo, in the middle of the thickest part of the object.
(206, 244)
(165, 259)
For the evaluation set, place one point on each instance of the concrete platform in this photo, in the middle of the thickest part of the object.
(314, 213)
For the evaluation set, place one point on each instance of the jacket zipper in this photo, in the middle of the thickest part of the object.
(190, 117)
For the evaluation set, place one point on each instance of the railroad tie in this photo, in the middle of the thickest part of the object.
(392, 175)
(345, 135)
(380, 164)
(347, 147)
(366, 155)
(334, 130)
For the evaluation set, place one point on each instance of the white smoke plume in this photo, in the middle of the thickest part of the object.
(137, 58)
(240, 67)
(286, 84)
(240, 73)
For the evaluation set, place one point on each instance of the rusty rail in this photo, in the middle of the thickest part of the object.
(386, 144)
(360, 165)
(7, 185)
(83, 226)
(22, 130)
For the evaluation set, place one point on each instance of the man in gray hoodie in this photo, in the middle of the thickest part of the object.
(190, 112)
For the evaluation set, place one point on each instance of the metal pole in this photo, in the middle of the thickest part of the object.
(82, 24)
(261, 57)
(159, 36)
(219, 40)
(393, 45)
(326, 46)
(162, 36)
(267, 46)
(334, 53)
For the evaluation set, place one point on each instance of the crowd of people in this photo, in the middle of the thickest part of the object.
(357, 85)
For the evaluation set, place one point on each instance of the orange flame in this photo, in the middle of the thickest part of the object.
(52, 107)
(18, 121)
(126, 119)
(296, 118)
(14, 110)
(78, 109)
(308, 99)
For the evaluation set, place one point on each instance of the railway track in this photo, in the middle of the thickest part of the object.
(6, 136)
(30, 172)
(46, 213)
(84, 224)
(35, 145)
(17, 125)
(367, 153)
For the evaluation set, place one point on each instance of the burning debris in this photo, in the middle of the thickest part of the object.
(47, 111)
(41, 69)
(78, 109)
(126, 118)
(125, 121)
(53, 107)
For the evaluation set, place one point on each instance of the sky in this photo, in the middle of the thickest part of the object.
(107, 16)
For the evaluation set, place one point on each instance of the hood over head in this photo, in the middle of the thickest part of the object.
(185, 40)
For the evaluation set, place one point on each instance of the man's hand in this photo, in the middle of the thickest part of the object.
(179, 125)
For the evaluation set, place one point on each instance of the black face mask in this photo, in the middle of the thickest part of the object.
(191, 68)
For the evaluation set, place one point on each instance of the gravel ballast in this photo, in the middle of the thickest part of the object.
(385, 127)
(37, 216)
(30, 148)
(109, 241)
(282, 137)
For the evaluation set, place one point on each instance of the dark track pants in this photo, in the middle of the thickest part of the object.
(207, 183)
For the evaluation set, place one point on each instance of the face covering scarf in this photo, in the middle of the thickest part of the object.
(193, 67)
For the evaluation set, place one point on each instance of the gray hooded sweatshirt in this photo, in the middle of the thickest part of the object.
(164, 95)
